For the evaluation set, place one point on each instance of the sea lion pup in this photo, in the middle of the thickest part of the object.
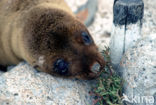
(46, 34)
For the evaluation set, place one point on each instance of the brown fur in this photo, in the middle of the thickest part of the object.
(41, 31)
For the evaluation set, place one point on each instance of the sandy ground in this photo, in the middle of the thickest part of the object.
(102, 25)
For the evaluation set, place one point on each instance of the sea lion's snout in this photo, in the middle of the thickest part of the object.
(94, 71)
(95, 68)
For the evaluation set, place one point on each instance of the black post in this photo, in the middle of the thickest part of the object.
(127, 25)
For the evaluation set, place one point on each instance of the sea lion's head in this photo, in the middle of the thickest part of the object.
(61, 45)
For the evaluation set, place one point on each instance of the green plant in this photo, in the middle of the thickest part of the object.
(109, 87)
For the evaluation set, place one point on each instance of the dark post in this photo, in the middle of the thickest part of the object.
(127, 25)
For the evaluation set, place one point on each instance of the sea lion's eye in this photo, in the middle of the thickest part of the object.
(86, 38)
(61, 66)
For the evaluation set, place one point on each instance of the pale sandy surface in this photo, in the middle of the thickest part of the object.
(102, 25)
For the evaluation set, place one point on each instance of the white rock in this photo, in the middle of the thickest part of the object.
(1, 72)
(138, 69)
(22, 85)
(149, 22)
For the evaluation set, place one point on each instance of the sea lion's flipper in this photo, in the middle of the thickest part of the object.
(86, 12)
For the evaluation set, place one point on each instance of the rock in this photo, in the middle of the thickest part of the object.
(138, 69)
(23, 85)
(127, 27)
(102, 25)
(149, 21)
(75, 4)
(1, 72)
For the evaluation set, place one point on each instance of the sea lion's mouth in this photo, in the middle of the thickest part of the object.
(93, 71)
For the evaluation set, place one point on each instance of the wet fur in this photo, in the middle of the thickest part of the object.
(41, 31)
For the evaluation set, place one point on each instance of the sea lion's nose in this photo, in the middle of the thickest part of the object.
(96, 67)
